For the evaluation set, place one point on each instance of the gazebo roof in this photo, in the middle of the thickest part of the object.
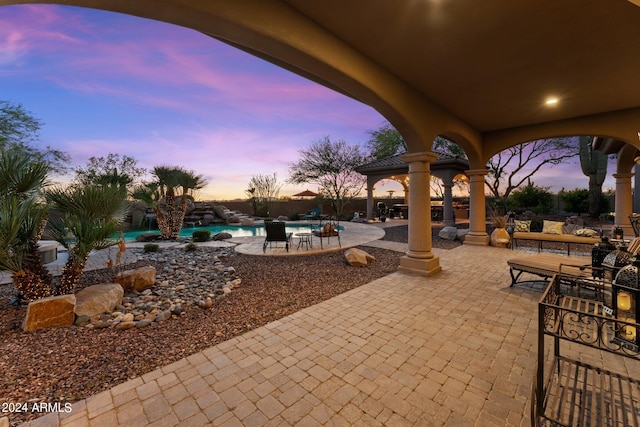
(394, 165)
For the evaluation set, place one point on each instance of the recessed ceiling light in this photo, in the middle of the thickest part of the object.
(551, 101)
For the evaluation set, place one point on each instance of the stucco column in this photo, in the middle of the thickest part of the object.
(419, 258)
(370, 184)
(477, 211)
(624, 202)
(447, 202)
(636, 189)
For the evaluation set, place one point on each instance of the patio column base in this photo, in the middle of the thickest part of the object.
(422, 266)
(476, 239)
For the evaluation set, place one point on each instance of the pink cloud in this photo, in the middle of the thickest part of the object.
(207, 106)
(129, 61)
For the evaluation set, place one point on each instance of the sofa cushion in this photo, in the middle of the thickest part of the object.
(563, 238)
(552, 227)
(522, 225)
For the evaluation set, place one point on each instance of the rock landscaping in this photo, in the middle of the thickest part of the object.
(184, 280)
(66, 364)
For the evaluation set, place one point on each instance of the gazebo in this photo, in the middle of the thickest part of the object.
(446, 167)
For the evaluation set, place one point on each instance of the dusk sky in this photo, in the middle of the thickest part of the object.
(109, 83)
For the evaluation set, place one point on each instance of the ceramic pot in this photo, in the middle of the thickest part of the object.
(500, 238)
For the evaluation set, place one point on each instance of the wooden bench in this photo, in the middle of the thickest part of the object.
(567, 239)
(545, 265)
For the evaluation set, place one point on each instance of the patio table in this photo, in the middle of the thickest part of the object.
(305, 239)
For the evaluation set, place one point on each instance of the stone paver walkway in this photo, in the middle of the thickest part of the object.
(456, 349)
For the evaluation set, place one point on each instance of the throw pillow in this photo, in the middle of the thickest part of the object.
(552, 227)
(569, 228)
(523, 226)
(585, 232)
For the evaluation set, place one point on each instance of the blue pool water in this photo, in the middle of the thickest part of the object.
(234, 230)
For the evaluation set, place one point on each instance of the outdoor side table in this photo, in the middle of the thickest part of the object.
(305, 239)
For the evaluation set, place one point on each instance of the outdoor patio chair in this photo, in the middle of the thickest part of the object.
(312, 214)
(329, 227)
(276, 233)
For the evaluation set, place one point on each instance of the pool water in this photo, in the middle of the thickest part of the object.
(234, 230)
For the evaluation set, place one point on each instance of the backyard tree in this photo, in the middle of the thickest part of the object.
(331, 165)
(167, 195)
(511, 168)
(575, 200)
(112, 170)
(578, 201)
(532, 197)
(23, 216)
(19, 131)
(89, 217)
(386, 141)
(263, 190)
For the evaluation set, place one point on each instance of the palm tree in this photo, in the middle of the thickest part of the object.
(115, 179)
(168, 195)
(90, 216)
(23, 216)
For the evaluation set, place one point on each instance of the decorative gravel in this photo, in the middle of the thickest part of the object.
(68, 364)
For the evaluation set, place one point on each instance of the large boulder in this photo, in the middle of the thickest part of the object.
(50, 312)
(358, 258)
(98, 299)
(462, 234)
(138, 279)
(448, 233)
(222, 236)
(208, 219)
(147, 237)
(245, 220)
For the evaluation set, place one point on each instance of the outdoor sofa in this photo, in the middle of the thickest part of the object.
(554, 232)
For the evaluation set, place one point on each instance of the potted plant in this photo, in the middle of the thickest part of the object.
(499, 236)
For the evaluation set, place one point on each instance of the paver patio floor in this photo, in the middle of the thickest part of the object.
(456, 349)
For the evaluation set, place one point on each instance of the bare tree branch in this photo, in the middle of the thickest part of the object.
(514, 166)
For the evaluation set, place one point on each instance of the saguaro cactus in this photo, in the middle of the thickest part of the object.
(594, 165)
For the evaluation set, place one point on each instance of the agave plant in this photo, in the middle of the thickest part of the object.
(23, 216)
(90, 217)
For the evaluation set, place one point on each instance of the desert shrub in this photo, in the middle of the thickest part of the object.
(151, 247)
(532, 198)
(576, 200)
(191, 247)
(201, 235)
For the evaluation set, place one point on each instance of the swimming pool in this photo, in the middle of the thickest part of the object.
(234, 230)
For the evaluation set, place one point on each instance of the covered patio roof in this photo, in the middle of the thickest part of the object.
(487, 75)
